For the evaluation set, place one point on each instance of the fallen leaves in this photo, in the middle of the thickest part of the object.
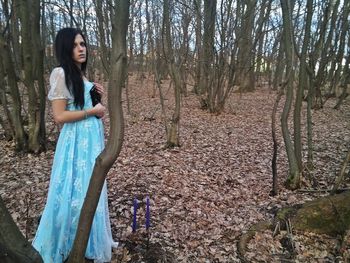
(203, 194)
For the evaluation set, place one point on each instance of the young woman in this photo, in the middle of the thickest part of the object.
(81, 140)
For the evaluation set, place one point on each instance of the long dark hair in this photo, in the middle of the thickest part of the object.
(64, 45)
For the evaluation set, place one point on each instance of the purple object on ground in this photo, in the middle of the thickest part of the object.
(134, 219)
(148, 215)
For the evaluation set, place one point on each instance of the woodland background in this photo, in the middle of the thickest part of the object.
(232, 110)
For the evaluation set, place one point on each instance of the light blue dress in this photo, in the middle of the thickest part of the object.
(78, 146)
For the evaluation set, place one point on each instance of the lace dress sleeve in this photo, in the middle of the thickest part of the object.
(58, 88)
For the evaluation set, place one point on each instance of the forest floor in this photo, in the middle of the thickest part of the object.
(204, 194)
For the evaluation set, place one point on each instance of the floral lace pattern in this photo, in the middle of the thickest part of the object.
(78, 146)
(58, 87)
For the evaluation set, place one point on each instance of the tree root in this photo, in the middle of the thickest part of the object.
(246, 237)
(326, 215)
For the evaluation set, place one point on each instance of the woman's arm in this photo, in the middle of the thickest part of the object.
(61, 115)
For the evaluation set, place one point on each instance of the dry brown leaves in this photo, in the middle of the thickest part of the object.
(203, 194)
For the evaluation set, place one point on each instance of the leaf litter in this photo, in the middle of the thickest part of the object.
(204, 194)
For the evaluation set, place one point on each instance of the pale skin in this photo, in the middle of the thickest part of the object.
(60, 114)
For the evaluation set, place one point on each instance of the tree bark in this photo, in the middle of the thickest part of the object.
(16, 115)
(173, 128)
(321, 51)
(340, 177)
(33, 73)
(207, 54)
(245, 72)
(302, 84)
(6, 122)
(198, 29)
(14, 248)
(293, 180)
(274, 190)
(280, 64)
(102, 36)
(114, 144)
(326, 215)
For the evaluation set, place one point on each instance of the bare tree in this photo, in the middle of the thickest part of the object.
(303, 82)
(293, 180)
(111, 152)
(33, 73)
(207, 55)
(245, 76)
(173, 127)
(14, 248)
(13, 113)
(198, 44)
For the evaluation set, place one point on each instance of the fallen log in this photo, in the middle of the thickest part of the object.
(326, 215)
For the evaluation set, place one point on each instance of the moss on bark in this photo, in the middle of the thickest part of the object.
(327, 215)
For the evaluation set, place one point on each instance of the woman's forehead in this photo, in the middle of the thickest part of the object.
(78, 38)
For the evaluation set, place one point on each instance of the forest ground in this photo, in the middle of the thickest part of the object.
(204, 194)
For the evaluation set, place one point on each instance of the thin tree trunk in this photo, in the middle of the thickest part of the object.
(5, 122)
(141, 45)
(246, 73)
(101, 24)
(277, 78)
(207, 54)
(173, 129)
(300, 89)
(341, 50)
(14, 248)
(274, 190)
(198, 6)
(38, 73)
(310, 99)
(30, 40)
(15, 116)
(114, 144)
(293, 180)
(341, 174)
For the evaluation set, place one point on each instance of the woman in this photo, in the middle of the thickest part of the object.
(81, 140)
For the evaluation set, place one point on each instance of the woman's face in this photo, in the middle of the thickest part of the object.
(79, 50)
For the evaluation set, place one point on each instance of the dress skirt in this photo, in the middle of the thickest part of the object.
(78, 146)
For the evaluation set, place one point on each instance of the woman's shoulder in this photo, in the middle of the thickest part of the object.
(57, 71)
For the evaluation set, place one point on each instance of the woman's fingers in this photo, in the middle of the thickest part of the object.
(99, 88)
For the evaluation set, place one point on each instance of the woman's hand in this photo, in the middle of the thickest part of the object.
(99, 88)
(99, 110)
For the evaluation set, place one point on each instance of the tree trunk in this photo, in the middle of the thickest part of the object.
(173, 129)
(327, 215)
(15, 116)
(246, 73)
(310, 148)
(302, 84)
(101, 24)
(198, 6)
(141, 46)
(36, 101)
(274, 190)
(14, 248)
(38, 73)
(280, 65)
(322, 50)
(293, 180)
(341, 175)
(338, 62)
(207, 54)
(6, 122)
(111, 152)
